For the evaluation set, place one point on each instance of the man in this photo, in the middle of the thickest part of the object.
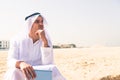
(32, 47)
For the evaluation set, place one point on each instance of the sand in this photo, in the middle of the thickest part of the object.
(95, 63)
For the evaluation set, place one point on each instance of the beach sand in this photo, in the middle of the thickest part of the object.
(95, 63)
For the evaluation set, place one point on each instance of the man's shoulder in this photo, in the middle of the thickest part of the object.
(19, 38)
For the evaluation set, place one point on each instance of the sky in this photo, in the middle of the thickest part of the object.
(81, 22)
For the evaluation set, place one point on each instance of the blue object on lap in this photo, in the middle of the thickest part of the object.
(43, 75)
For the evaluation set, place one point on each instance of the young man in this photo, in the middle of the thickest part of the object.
(32, 47)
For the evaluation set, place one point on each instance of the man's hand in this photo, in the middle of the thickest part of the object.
(41, 34)
(27, 70)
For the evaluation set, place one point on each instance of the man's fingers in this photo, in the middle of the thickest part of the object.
(39, 31)
(41, 34)
(26, 73)
(32, 72)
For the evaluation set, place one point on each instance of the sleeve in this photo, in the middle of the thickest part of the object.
(47, 55)
(47, 52)
(12, 54)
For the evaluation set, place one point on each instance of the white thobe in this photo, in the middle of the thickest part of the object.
(23, 49)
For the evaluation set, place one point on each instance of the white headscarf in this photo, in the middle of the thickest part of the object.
(29, 22)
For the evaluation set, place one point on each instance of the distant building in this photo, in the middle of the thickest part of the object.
(4, 44)
(64, 46)
(56, 46)
(68, 46)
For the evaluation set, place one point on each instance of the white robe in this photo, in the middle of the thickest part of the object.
(23, 49)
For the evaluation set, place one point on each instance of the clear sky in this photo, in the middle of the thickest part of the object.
(83, 22)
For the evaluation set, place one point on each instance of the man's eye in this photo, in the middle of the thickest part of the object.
(37, 21)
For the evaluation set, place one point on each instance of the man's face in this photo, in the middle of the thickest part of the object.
(37, 25)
